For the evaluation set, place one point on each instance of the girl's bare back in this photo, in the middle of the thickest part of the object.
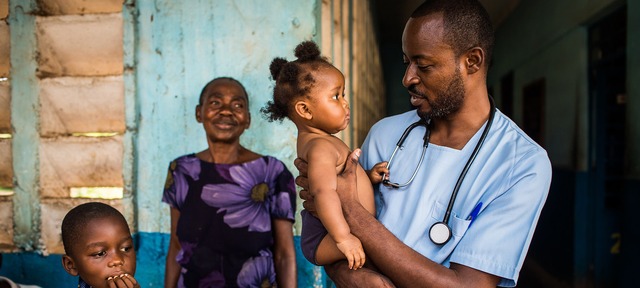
(365, 189)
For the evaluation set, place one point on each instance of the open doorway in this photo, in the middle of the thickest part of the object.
(607, 95)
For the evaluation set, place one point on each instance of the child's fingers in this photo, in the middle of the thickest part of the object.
(363, 258)
(129, 281)
(359, 260)
(122, 281)
(111, 283)
(351, 260)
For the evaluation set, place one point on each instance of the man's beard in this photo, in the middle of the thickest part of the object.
(446, 103)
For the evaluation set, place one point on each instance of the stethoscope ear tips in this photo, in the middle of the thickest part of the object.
(440, 233)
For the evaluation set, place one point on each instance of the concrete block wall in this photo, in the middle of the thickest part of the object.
(80, 45)
(79, 162)
(5, 98)
(79, 109)
(6, 169)
(80, 69)
(73, 7)
(82, 105)
(4, 39)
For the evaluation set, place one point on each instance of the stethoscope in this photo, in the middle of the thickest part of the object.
(440, 232)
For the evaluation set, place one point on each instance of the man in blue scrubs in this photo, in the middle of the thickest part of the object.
(447, 49)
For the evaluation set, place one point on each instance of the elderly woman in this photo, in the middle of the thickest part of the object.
(232, 209)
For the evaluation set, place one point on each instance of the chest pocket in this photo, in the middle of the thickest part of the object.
(458, 225)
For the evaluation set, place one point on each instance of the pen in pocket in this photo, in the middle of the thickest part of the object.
(474, 213)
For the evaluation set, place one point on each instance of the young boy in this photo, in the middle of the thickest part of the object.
(310, 92)
(98, 247)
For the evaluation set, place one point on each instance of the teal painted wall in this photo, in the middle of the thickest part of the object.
(25, 90)
(177, 48)
(181, 45)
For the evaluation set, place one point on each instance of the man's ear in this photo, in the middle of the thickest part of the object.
(69, 265)
(248, 120)
(302, 109)
(198, 115)
(474, 60)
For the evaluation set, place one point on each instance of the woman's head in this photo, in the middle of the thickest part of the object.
(309, 89)
(223, 110)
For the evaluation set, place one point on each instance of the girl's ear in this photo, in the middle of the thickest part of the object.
(69, 265)
(198, 115)
(303, 110)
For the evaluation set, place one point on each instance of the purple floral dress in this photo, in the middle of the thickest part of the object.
(225, 219)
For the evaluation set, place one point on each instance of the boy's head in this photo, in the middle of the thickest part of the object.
(98, 244)
(308, 89)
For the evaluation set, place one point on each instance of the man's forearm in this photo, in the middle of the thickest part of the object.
(342, 276)
(403, 265)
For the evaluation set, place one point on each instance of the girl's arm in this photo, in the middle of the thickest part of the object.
(322, 158)
(172, 268)
(284, 254)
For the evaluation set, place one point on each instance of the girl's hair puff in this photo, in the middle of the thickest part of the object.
(293, 79)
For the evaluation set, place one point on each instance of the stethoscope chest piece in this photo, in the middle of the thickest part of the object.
(440, 233)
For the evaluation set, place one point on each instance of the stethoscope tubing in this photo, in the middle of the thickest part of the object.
(440, 232)
(421, 122)
(463, 174)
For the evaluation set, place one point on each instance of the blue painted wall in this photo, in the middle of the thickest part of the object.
(47, 271)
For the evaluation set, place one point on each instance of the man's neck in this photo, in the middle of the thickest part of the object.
(457, 129)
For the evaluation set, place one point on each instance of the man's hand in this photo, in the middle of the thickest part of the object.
(364, 277)
(347, 187)
(302, 181)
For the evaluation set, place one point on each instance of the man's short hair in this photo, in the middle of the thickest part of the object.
(466, 24)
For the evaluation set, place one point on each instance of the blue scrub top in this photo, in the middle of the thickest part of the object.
(509, 180)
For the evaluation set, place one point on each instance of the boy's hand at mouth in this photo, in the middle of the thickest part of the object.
(122, 281)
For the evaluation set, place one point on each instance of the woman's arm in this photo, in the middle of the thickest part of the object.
(284, 254)
(172, 268)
